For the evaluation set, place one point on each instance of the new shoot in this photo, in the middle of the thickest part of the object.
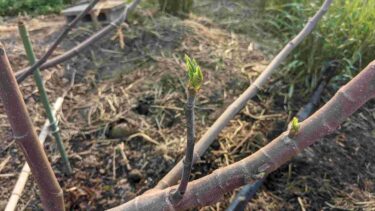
(194, 84)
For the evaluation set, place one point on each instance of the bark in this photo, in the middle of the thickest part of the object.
(25, 172)
(211, 188)
(212, 133)
(188, 160)
(25, 136)
(21, 75)
(248, 191)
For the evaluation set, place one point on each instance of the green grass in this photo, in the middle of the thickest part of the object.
(346, 34)
(15, 7)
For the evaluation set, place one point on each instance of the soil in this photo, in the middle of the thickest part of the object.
(122, 120)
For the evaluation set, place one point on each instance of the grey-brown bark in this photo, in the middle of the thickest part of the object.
(26, 138)
(211, 188)
(188, 159)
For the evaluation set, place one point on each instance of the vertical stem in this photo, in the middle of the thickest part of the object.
(44, 97)
(188, 160)
(25, 136)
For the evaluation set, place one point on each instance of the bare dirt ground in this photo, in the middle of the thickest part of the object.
(135, 96)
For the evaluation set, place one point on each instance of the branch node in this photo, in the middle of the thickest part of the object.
(174, 197)
(345, 95)
(289, 141)
(15, 137)
(270, 158)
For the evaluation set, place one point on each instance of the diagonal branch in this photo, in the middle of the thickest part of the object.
(248, 191)
(60, 38)
(211, 134)
(211, 188)
(22, 74)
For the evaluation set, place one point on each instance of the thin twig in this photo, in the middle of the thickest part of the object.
(188, 159)
(195, 76)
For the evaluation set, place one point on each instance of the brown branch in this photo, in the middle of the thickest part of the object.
(188, 159)
(25, 172)
(211, 188)
(211, 134)
(59, 39)
(26, 138)
(22, 74)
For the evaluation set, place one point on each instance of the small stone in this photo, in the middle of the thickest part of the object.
(135, 176)
(122, 130)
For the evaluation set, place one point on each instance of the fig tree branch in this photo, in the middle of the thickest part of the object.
(211, 188)
(25, 172)
(212, 133)
(26, 138)
(248, 191)
(195, 81)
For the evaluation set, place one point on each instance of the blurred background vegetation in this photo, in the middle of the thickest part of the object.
(15, 7)
(346, 34)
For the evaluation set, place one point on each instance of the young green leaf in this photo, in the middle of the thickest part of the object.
(294, 127)
(194, 73)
